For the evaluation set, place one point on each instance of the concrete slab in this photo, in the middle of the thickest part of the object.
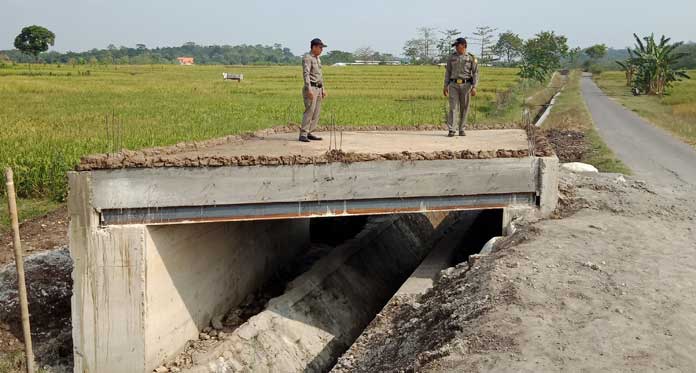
(346, 147)
(372, 142)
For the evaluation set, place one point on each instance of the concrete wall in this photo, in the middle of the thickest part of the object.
(141, 292)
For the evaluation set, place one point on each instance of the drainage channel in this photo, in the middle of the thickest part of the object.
(311, 313)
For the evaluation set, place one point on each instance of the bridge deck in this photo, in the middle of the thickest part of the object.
(164, 187)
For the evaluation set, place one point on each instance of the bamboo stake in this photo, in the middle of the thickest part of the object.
(19, 260)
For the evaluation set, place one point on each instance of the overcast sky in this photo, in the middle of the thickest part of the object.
(346, 25)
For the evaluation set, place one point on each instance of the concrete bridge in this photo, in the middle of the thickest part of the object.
(165, 239)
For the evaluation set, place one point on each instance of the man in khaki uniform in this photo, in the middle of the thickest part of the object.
(313, 91)
(461, 78)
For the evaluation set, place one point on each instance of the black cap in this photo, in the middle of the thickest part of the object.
(318, 41)
(460, 41)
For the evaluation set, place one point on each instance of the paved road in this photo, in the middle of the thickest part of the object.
(652, 153)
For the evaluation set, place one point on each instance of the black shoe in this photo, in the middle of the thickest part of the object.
(304, 139)
(451, 134)
(312, 137)
(462, 133)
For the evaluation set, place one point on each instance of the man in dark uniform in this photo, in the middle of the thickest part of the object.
(313, 91)
(461, 78)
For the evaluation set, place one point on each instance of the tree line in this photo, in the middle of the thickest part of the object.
(141, 54)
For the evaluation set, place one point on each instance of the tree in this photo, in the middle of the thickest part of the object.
(509, 45)
(596, 52)
(141, 47)
(574, 55)
(34, 40)
(422, 49)
(365, 54)
(484, 37)
(651, 67)
(542, 54)
(336, 56)
(444, 45)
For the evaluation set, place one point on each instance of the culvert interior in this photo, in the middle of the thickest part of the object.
(310, 311)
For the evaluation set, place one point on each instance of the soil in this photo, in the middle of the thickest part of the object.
(570, 146)
(607, 288)
(49, 286)
(39, 234)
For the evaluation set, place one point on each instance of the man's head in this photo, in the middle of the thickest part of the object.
(460, 45)
(316, 46)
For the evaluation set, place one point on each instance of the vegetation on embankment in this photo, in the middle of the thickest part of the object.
(675, 112)
(570, 118)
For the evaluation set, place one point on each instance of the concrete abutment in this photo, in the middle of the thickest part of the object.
(140, 292)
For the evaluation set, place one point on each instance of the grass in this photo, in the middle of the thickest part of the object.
(675, 112)
(571, 113)
(52, 115)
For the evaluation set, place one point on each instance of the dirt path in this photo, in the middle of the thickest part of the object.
(652, 153)
(607, 288)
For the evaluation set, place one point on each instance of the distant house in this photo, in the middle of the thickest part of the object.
(187, 61)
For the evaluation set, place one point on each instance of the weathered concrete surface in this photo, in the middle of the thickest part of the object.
(140, 293)
(272, 148)
(325, 309)
(548, 185)
(152, 188)
(440, 257)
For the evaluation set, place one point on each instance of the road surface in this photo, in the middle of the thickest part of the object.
(652, 153)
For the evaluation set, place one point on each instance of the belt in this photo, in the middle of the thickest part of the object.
(462, 81)
(318, 85)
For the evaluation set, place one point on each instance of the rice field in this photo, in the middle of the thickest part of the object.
(50, 116)
(675, 112)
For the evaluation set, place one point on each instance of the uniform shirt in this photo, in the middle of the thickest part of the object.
(311, 67)
(462, 67)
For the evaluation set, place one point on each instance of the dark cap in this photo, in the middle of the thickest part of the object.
(318, 41)
(460, 41)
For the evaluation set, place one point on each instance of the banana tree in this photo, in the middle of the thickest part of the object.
(651, 65)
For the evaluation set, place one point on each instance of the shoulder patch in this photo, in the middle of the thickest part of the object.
(474, 57)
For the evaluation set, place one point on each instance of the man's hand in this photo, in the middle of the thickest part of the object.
(323, 93)
(473, 91)
(445, 92)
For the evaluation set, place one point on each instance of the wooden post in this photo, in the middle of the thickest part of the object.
(19, 260)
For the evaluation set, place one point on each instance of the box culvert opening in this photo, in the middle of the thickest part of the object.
(335, 290)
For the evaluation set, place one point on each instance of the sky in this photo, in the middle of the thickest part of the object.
(346, 25)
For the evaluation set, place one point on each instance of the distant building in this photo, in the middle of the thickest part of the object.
(187, 61)
(375, 63)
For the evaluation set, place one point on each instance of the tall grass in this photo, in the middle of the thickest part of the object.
(52, 115)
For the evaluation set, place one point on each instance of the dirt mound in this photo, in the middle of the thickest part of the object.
(570, 146)
(49, 285)
(604, 289)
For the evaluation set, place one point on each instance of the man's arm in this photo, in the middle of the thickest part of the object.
(475, 73)
(306, 67)
(448, 73)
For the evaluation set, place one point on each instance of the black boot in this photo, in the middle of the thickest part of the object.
(451, 134)
(312, 137)
(462, 133)
(304, 138)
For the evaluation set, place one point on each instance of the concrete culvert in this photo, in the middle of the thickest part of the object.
(324, 310)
